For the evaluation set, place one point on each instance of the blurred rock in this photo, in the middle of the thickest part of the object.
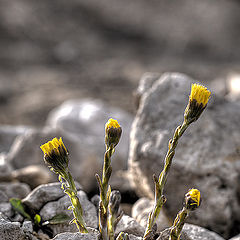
(3, 197)
(33, 175)
(77, 236)
(192, 232)
(44, 194)
(206, 157)
(10, 230)
(27, 226)
(15, 189)
(235, 237)
(130, 226)
(233, 84)
(141, 210)
(6, 209)
(8, 135)
(83, 121)
(51, 209)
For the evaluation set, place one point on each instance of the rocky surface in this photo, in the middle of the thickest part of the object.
(43, 194)
(9, 230)
(53, 208)
(15, 190)
(129, 225)
(141, 210)
(8, 134)
(77, 236)
(102, 48)
(190, 232)
(81, 125)
(206, 158)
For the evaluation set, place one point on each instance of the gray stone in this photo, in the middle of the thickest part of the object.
(190, 232)
(33, 175)
(77, 236)
(83, 121)
(235, 237)
(43, 194)
(207, 156)
(3, 197)
(17, 217)
(141, 210)
(133, 237)
(6, 209)
(60, 206)
(199, 233)
(10, 230)
(15, 190)
(8, 135)
(27, 226)
(129, 225)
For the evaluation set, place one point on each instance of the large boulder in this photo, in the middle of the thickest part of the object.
(207, 156)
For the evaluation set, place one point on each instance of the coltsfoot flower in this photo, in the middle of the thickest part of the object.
(56, 155)
(113, 132)
(192, 199)
(198, 100)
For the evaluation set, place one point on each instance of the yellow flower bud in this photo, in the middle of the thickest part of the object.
(55, 155)
(193, 199)
(198, 100)
(113, 132)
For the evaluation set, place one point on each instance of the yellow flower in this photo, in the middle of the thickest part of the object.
(193, 199)
(113, 132)
(200, 94)
(198, 100)
(55, 155)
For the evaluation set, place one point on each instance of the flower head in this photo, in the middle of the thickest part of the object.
(55, 155)
(198, 100)
(193, 199)
(200, 94)
(113, 132)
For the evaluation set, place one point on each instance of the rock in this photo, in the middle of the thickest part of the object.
(33, 175)
(15, 190)
(3, 197)
(44, 194)
(8, 135)
(84, 121)
(141, 210)
(133, 237)
(129, 225)
(5, 168)
(6, 209)
(60, 206)
(145, 83)
(160, 112)
(10, 230)
(77, 236)
(26, 151)
(191, 231)
(199, 233)
(235, 237)
(27, 226)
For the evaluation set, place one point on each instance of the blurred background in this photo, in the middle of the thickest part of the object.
(54, 50)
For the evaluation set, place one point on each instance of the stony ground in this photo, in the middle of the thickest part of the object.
(55, 50)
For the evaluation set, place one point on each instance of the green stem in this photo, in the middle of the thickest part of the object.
(178, 224)
(105, 191)
(160, 183)
(76, 206)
